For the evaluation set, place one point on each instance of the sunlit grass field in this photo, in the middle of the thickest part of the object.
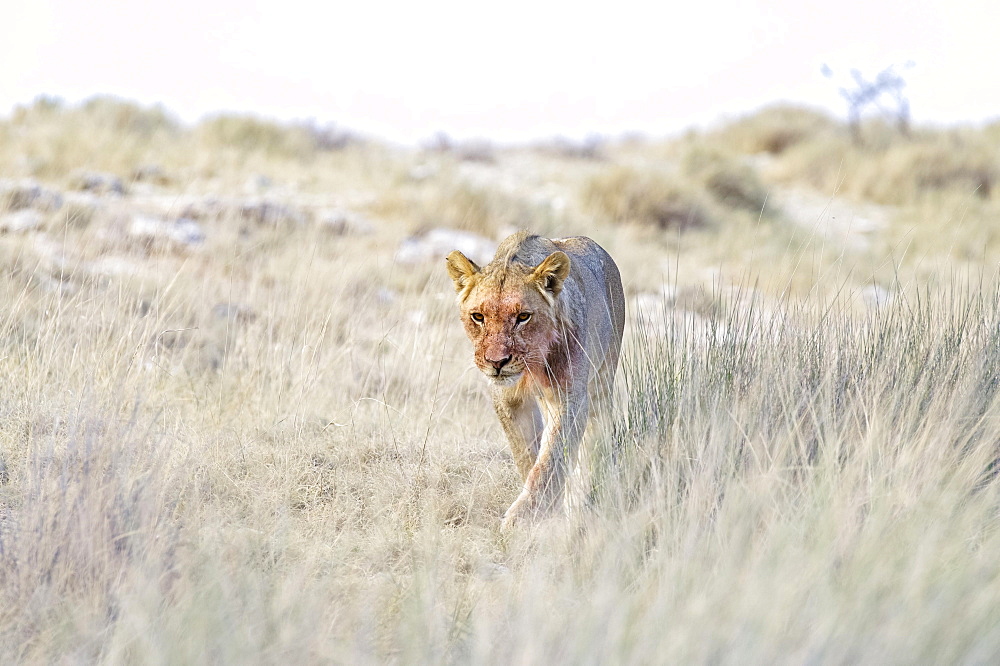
(271, 446)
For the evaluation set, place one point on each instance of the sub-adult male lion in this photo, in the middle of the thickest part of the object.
(545, 318)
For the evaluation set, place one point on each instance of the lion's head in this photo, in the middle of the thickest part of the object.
(510, 313)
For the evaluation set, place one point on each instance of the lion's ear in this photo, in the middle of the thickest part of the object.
(550, 274)
(461, 270)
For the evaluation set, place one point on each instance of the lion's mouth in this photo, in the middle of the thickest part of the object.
(504, 374)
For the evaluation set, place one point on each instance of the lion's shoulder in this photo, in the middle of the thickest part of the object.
(597, 273)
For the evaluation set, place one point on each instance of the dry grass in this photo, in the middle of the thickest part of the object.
(273, 447)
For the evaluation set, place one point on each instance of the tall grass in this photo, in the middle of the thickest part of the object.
(273, 448)
(808, 484)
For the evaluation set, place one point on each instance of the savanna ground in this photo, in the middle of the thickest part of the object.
(255, 435)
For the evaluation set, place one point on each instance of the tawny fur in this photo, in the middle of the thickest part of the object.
(546, 318)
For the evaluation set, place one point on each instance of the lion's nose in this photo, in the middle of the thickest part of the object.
(500, 363)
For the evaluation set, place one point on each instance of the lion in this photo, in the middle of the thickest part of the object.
(546, 319)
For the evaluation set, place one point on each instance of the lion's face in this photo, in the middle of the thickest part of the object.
(511, 331)
(509, 316)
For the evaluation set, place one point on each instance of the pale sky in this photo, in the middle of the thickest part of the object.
(508, 71)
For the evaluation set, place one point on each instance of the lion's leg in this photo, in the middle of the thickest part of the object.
(522, 422)
(602, 388)
(565, 423)
(597, 451)
(601, 455)
(603, 383)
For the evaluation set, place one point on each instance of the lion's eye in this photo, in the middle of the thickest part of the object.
(523, 317)
(477, 317)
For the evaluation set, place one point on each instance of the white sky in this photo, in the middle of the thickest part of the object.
(508, 71)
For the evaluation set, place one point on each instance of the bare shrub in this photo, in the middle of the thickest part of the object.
(589, 148)
(329, 137)
(469, 150)
(864, 94)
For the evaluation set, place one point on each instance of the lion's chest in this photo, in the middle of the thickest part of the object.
(554, 369)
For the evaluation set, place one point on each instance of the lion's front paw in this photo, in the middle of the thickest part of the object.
(522, 510)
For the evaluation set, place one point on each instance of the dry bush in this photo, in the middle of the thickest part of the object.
(711, 189)
(957, 227)
(729, 181)
(948, 162)
(773, 130)
(623, 194)
(249, 134)
(897, 170)
(466, 206)
(888, 167)
(51, 140)
(127, 117)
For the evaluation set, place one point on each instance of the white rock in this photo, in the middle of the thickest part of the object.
(115, 266)
(269, 213)
(98, 183)
(234, 311)
(18, 194)
(492, 571)
(257, 183)
(20, 221)
(422, 172)
(876, 296)
(182, 231)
